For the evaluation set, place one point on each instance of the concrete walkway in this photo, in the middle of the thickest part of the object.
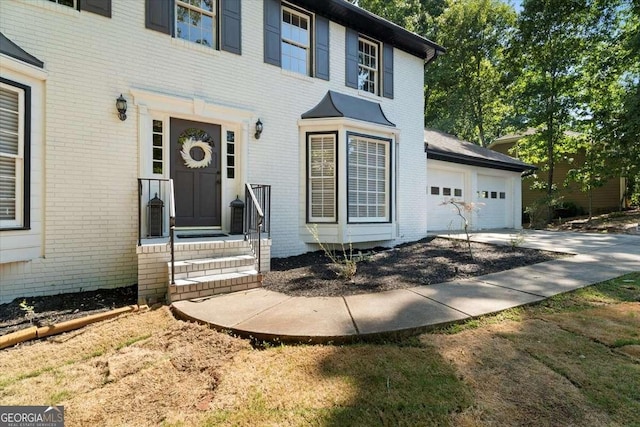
(267, 315)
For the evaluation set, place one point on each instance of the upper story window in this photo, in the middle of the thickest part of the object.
(368, 61)
(70, 3)
(213, 23)
(195, 21)
(12, 155)
(100, 7)
(369, 64)
(296, 41)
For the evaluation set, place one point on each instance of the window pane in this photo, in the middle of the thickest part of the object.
(9, 119)
(7, 188)
(207, 5)
(8, 142)
(321, 167)
(157, 154)
(457, 192)
(195, 21)
(295, 42)
(64, 2)
(368, 179)
(8, 100)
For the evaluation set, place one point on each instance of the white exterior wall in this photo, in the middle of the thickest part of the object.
(92, 158)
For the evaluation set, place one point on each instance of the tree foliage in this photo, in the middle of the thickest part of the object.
(465, 89)
(568, 68)
(414, 15)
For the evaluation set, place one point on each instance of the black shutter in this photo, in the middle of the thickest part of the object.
(272, 22)
(387, 75)
(322, 48)
(230, 28)
(159, 15)
(351, 77)
(101, 7)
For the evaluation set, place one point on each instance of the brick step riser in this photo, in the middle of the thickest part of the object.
(213, 266)
(213, 271)
(215, 287)
(211, 253)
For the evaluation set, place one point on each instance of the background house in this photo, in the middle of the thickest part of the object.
(487, 180)
(608, 198)
(78, 177)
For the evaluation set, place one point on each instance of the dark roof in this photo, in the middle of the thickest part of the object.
(448, 148)
(336, 104)
(365, 22)
(11, 49)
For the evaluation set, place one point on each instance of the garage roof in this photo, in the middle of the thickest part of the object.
(442, 146)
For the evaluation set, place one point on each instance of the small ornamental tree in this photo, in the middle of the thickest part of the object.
(462, 208)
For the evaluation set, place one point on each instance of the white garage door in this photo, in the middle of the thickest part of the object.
(494, 202)
(444, 185)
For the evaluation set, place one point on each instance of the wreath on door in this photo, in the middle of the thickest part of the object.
(189, 161)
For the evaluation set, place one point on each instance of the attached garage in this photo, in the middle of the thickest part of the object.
(444, 184)
(486, 182)
(496, 206)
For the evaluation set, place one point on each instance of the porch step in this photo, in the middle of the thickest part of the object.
(208, 285)
(211, 266)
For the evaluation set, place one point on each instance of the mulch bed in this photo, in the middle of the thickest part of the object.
(48, 310)
(424, 262)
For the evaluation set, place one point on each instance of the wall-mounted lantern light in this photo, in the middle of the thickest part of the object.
(259, 128)
(121, 105)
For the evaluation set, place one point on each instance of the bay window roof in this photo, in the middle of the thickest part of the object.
(336, 104)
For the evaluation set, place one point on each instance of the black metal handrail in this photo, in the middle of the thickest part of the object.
(172, 230)
(152, 187)
(257, 217)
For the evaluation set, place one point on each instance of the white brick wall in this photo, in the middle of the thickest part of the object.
(92, 158)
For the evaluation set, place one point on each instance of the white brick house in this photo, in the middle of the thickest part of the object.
(70, 167)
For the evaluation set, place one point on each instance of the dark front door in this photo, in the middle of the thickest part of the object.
(195, 169)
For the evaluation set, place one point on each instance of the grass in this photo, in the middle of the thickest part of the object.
(569, 360)
(323, 385)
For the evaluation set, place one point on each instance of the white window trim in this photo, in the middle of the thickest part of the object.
(214, 18)
(75, 3)
(375, 70)
(351, 219)
(333, 218)
(302, 15)
(19, 165)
